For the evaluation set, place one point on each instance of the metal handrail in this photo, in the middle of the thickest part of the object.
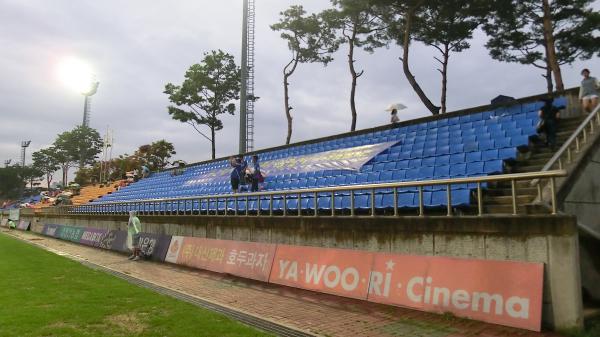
(110, 207)
(574, 138)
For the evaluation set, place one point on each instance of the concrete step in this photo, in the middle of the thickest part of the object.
(507, 199)
(521, 209)
(528, 168)
(504, 191)
(534, 160)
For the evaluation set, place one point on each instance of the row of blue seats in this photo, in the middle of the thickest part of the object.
(408, 199)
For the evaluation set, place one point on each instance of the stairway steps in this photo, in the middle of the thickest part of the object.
(521, 209)
(507, 199)
(507, 191)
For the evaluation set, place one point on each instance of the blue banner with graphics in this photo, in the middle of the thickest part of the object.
(352, 158)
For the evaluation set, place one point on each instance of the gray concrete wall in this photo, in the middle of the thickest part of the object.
(551, 240)
(582, 195)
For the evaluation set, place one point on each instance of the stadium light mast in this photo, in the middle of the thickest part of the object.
(24, 146)
(247, 97)
(87, 105)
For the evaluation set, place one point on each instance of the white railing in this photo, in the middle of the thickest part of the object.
(573, 145)
(187, 205)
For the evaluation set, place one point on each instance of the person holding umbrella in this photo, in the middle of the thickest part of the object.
(393, 109)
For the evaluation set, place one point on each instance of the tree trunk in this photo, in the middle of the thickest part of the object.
(354, 78)
(48, 180)
(550, 48)
(212, 142)
(286, 97)
(446, 56)
(65, 172)
(409, 76)
(548, 78)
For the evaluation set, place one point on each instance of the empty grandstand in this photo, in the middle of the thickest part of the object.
(480, 144)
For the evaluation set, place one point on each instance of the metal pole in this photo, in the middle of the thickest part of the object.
(244, 76)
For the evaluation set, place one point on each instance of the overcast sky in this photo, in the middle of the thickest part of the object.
(136, 47)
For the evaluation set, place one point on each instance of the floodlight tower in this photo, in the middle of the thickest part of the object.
(247, 97)
(87, 105)
(24, 145)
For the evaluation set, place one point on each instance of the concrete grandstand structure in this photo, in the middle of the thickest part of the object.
(474, 184)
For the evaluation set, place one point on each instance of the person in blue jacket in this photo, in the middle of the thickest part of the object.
(237, 174)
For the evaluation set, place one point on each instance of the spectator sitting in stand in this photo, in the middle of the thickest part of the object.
(145, 171)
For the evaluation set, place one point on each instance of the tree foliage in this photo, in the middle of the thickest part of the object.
(447, 26)
(46, 162)
(78, 146)
(11, 183)
(517, 34)
(359, 27)
(208, 91)
(156, 155)
(311, 39)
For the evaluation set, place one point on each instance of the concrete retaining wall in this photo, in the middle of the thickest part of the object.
(551, 240)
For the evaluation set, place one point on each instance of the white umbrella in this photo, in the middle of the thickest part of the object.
(397, 106)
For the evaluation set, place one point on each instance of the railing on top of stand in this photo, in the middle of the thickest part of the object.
(573, 145)
(187, 205)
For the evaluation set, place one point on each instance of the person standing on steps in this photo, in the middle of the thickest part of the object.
(549, 114)
(588, 92)
(133, 235)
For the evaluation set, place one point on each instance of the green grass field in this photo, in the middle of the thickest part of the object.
(43, 294)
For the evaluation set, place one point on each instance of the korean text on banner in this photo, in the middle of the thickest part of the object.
(93, 236)
(341, 272)
(246, 259)
(502, 292)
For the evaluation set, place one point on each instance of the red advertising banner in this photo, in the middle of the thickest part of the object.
(246, 259)
(502, 292)
(341, 272)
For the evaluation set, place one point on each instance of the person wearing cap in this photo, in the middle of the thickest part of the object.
(588, 92)
(133, 235)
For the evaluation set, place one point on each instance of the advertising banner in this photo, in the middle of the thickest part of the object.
(70, 233)
(246, 259)
(352, 158)
(115, 240)
(340, 272)
(13, 214)
(155, 246)
(93, 236)
(23, 225)
(501, 292)
(50, 230)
